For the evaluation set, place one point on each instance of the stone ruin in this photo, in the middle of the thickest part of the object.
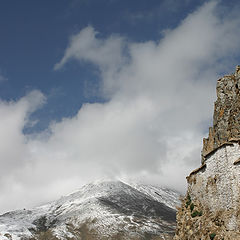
(226, 118)
(211, 208)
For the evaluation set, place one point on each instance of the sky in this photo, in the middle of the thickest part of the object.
(107, 89)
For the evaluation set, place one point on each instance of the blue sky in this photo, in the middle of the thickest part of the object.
(93, 89)
(34, 36)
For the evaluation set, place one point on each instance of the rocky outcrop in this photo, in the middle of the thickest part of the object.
(211, 208)
(197, 222)
(226, 118)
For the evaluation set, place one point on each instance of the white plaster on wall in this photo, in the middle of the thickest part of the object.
(217, 185)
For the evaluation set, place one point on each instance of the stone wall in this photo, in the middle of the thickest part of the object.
(211, 207)
(216, 184)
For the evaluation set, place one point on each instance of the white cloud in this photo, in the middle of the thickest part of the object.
(160, 97)
(14, 152)
(107, 54)
(86, 47)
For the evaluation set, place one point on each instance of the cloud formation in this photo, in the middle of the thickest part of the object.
(160, 101)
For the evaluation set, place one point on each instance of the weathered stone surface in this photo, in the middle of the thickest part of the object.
(202, 224)
(211, 208)
(226, 118)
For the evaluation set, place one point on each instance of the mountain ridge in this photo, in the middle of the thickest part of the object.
(100, 211)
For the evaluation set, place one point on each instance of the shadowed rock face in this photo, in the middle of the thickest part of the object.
(226, 118)
(139, 205)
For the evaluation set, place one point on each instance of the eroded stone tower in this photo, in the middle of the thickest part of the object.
(226, 118)
(211, 208)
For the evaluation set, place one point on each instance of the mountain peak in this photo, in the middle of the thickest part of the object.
(99, 210)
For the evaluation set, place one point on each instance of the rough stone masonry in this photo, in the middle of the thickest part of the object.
(211, 208)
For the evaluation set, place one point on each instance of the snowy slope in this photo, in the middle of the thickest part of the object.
(103, 208)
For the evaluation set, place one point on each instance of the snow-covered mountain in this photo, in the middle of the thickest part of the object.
(101, 210)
